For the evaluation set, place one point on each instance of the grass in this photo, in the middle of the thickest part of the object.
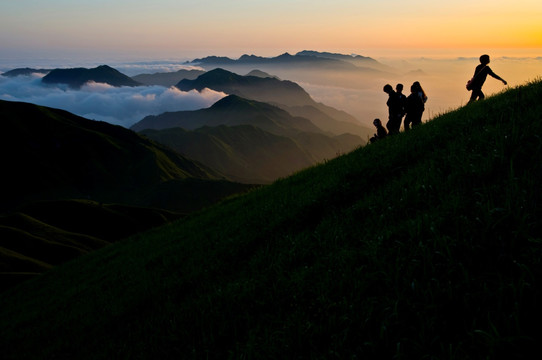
(425, 245)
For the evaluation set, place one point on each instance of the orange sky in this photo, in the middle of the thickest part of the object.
(166, 28)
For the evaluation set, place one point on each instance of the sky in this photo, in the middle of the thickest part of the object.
(192, 28)
(435, 42)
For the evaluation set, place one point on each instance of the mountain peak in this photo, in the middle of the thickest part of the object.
(77, 77)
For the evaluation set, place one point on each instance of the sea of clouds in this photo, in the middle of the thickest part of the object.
(117, 105)
(443, 80)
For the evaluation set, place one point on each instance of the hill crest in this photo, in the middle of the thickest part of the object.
(77, 77)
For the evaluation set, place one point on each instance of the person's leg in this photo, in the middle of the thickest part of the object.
(476, 94)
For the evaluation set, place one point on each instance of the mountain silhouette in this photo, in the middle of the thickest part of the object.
(247, 140)
(231, 111)
(268, 89)
(358, 60)
(77, 77)
(167, 79)
(25, 72)
(285, 94)
(286, 59)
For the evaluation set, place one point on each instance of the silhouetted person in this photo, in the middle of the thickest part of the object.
(381, 132)
(414, 108)
(480, 74)
(394, 110)
(402, 98)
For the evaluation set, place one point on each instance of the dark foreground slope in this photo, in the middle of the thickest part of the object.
(425, 245)
(50, 154)
(52, 159)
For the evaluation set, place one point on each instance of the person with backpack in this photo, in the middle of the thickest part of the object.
(480, 74)
(414, 108)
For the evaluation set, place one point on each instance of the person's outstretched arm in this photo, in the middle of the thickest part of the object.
(497, 77)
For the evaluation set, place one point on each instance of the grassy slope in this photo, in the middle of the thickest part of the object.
(425, 245)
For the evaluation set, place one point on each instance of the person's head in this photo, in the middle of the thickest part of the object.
(388, 89)
(484, 59)
(377, 122)
(399, 87)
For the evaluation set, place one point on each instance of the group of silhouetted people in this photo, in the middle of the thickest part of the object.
(411, 108)
(400, 106)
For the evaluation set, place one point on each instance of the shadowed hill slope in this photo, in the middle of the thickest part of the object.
(52, 154)
(51, 157)
(246, 140)
(424, 245)
(231, 111)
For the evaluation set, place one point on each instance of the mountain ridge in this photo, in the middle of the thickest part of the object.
(77, 77)
(285, 94)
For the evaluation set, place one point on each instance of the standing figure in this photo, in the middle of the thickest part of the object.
(480, 74)
(402, 98)
(394, 110)
(423, 96)
(381, 133)
(414, 108)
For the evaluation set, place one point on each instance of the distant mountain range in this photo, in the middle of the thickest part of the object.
(167, 79)
(232, 110)
(25, 72)
(282, 93)
(249, 141)
(77, 77)
(324, 61)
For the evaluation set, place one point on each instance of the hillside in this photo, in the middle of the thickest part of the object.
(77, 77)
(248, 154)
(51, 159)
(423, 245)
(52, 154)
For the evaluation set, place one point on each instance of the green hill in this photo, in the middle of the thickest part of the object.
(424, 245)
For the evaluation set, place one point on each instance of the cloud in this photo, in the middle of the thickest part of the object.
(132, 69)
(117, 105)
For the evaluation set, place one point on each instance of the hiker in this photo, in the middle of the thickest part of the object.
(480, 74)
(402, 98)
(394, 110)
(419, 90)
(381, 132)
(414, 108)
